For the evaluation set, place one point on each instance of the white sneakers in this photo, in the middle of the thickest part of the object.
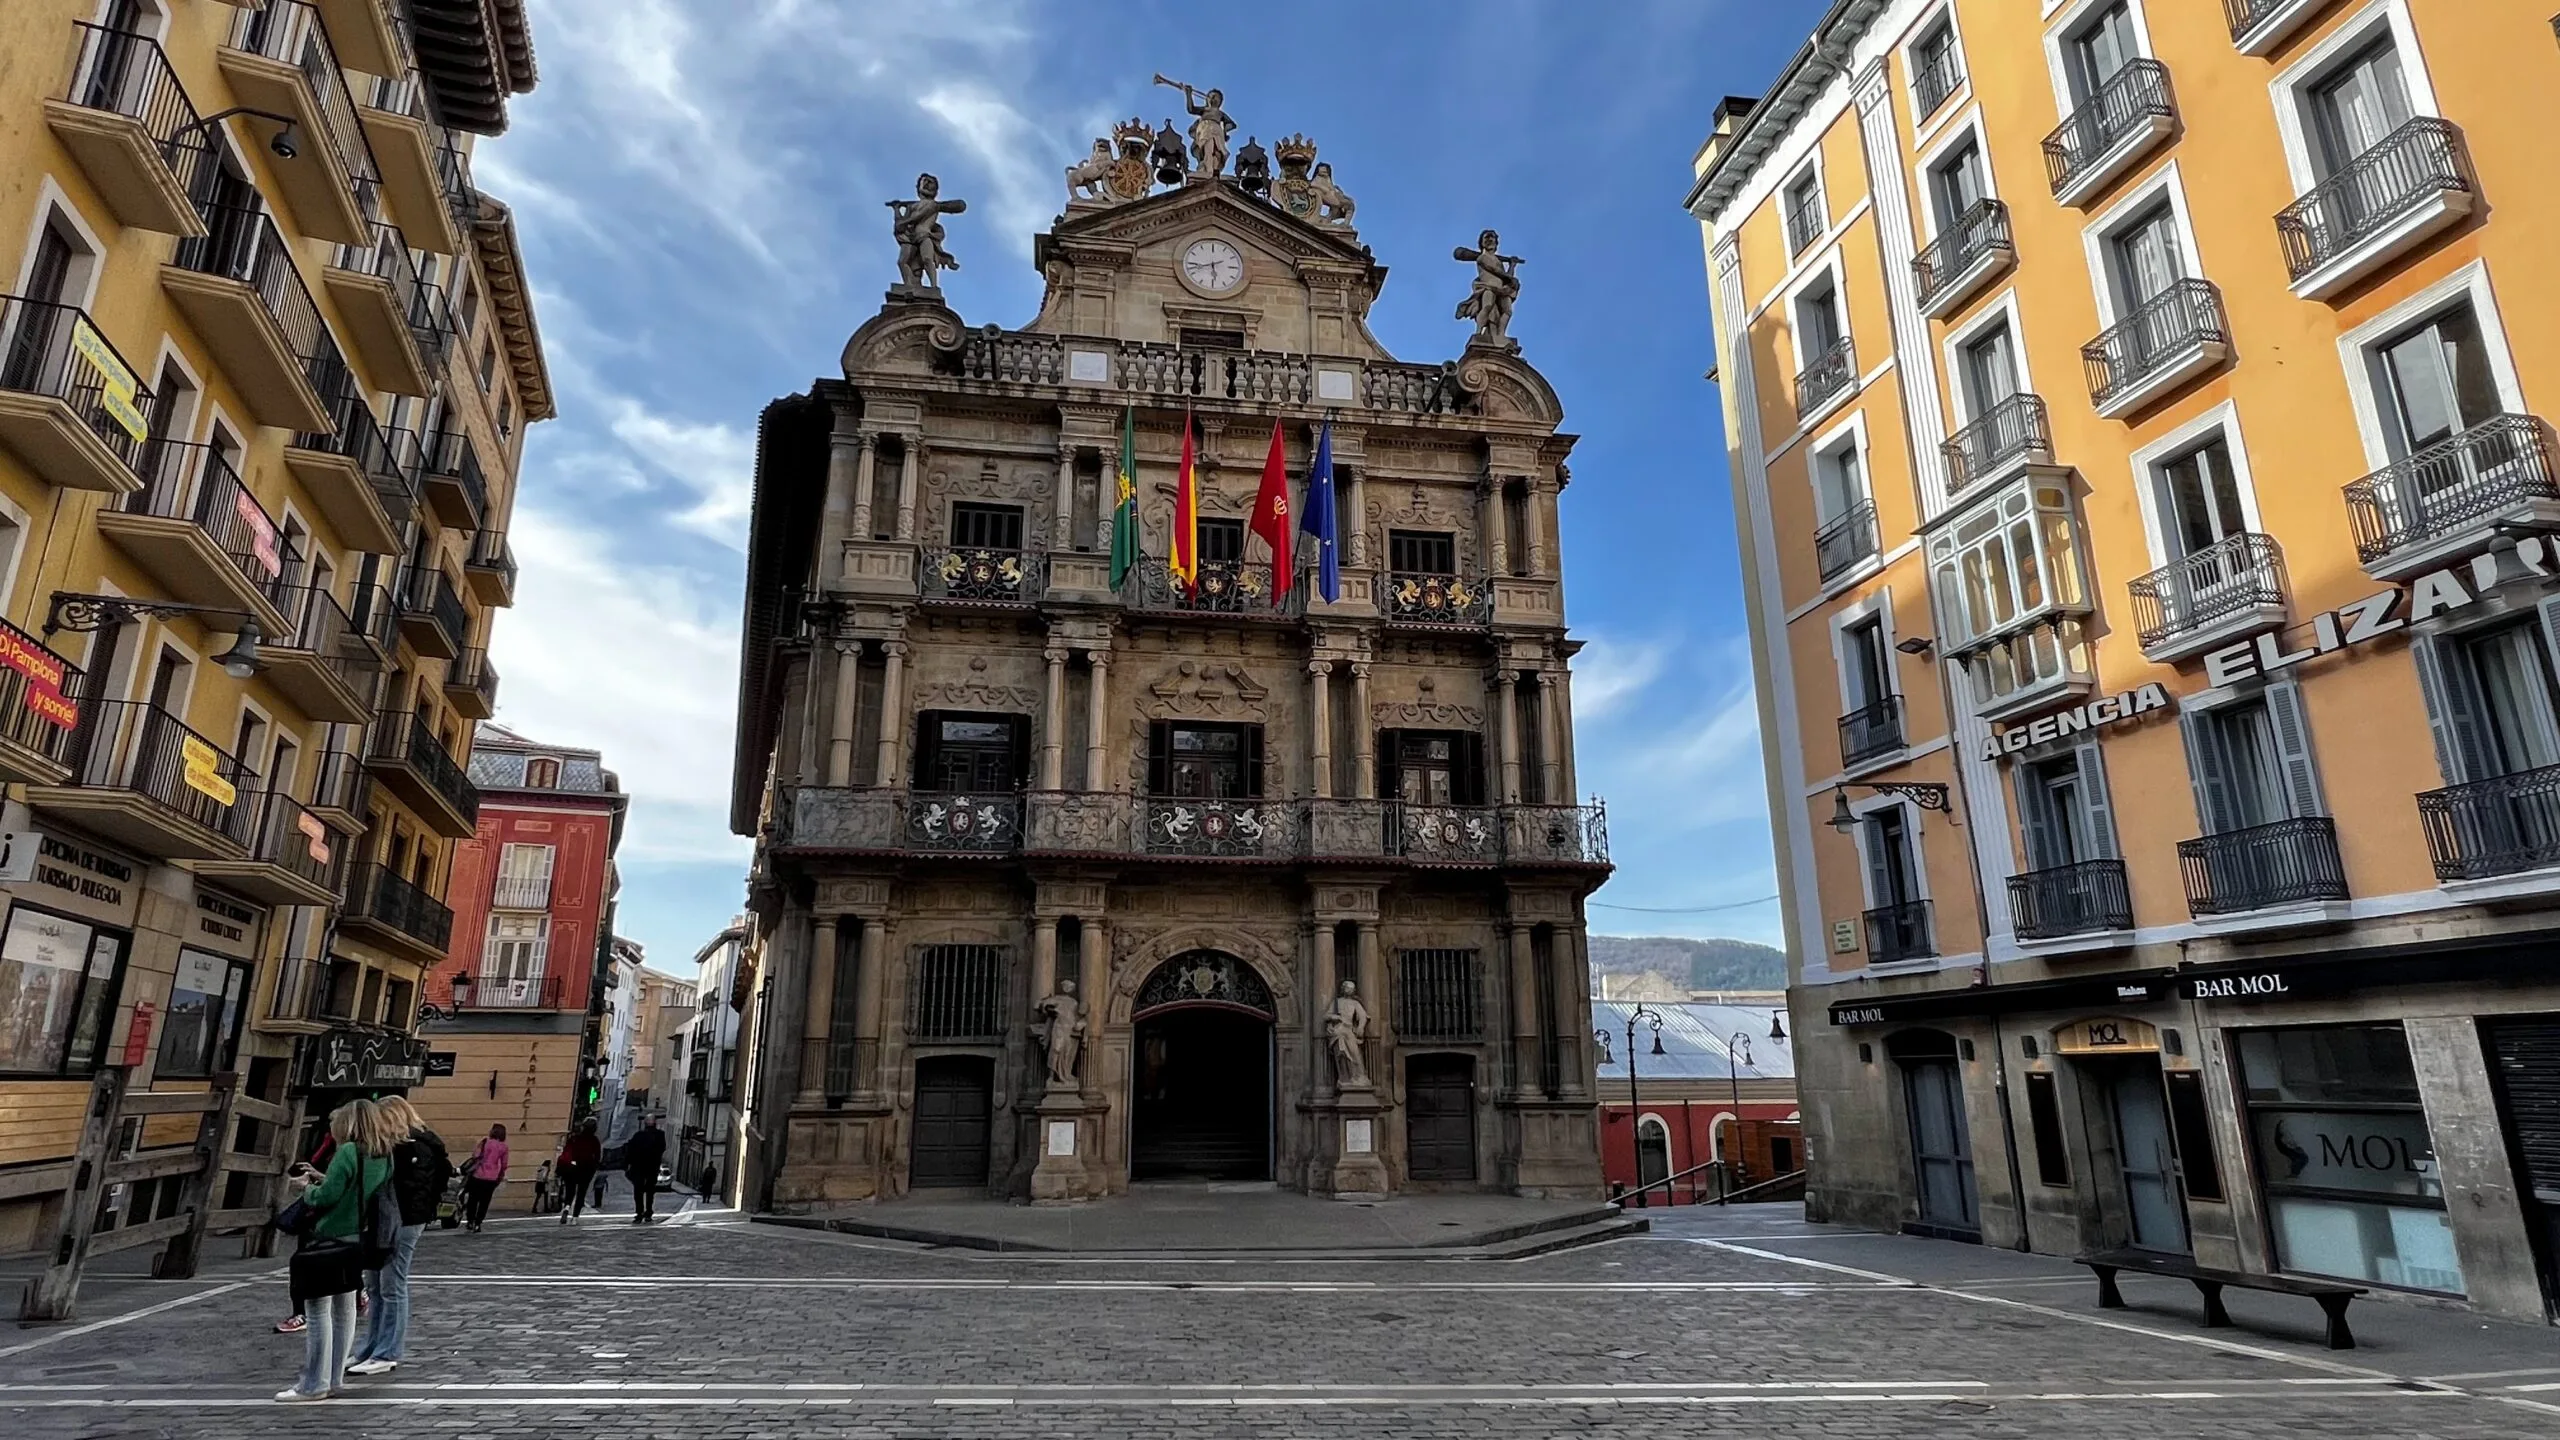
(372, 1367)
(290, 1396)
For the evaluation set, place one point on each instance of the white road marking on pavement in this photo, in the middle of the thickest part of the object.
(1361, 1287)
(128, 1316)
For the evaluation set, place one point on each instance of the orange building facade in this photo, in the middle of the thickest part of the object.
(2150, 533)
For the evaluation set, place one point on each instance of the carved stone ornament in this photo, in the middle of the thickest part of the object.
(978, 695)
(1424, 715)
(1210, 689)
(1205, 977)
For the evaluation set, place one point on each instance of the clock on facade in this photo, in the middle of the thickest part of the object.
(1213, 265)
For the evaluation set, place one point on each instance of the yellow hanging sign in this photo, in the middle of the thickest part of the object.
(116, 384)
(204, 771)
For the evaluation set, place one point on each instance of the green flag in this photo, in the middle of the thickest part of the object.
(1124, 520)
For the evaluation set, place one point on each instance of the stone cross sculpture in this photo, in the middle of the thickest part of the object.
(1497, 287)
(1346, 1027)
(1061, 1031)
(917, 224)
(1211, 131)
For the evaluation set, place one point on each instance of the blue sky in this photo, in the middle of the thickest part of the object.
(699, 186)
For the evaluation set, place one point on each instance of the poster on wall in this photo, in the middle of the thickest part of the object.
(2381, 1152)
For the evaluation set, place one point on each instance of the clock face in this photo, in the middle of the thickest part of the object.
(1213, 265)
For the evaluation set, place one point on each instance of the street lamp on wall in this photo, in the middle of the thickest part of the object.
(1928, 795)
(79, 613)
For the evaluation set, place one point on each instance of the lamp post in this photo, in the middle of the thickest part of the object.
(1737, 1053)
(1635, 1106)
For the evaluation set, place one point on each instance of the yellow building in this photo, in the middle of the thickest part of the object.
(2148, 531)
(266, 358)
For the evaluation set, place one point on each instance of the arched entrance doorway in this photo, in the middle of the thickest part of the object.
(1201, 1108)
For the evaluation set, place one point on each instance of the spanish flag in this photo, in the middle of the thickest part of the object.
(1184, 561)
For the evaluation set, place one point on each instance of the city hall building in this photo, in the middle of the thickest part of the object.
(2139, 447)
(979, 773)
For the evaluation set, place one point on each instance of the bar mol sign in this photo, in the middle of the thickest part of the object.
(2437, 592)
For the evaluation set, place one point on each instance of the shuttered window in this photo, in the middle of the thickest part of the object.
(2251, 763)
(2490, 697)
(2064, 809)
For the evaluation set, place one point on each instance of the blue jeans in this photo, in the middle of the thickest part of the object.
(388, 1289)
(330, 1327)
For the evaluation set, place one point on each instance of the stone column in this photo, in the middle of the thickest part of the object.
(893, 717)
(815, 1025)
(1497, 527)
(1094, 989)
(1053, 721)
(910, 479)
(1097, 733)
(1044, 956)
(1319, 730)
(869, 444)
(844, 719)
(867, 995)
(1063, 515)
(844, 451)
(1524, 1013)
(1364, 737)
(1503, 699)
(1373, 993)
(1542, 523)
(1320, 1000)
(1564, 734)
(1355, 544)
(1550, 761)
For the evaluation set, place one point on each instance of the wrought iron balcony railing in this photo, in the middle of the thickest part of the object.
(985, 823)
(2502, 825)
(284, 834)
(2089, 897)
(291, 31)
(126, 73)
(2245, 16)
(1845, 539)
(2289, 862)
(426, 590)
(1935, 76)
(2420, 161)
(1972, 237)
(1871, 731)
(2016, 429)
(2129, 102)
(338, 783)
(1438, 599)
(1825, 377)
(2234, 576)
(1226, 587)
(386, 258)
(39, 696)
(515, 992)
(1807, 217)
(138, 747)
(375, 619)
(54, 351)
(521, 892)
(196, 484)
(1199, 827)
(471, 672)
(981, 576)
(403, 739)
(1899, 932)
(2454, 485)
(241, 243)
(2165, 330)
(379, 895)
(490, 552)
(450, 457)
(356, 434)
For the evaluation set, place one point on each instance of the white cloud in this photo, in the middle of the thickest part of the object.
(714, 461)
(1019, 159)
(1609, 672)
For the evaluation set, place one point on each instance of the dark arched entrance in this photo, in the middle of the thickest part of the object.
(1201, 1108)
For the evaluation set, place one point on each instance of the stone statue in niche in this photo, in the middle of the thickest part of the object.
(917, 224)
(1346, 1030)
(1060, 1031)
(1496, 288)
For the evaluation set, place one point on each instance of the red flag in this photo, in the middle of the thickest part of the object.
(1271, 518)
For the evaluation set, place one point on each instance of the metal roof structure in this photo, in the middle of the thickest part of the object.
(1694, 1038)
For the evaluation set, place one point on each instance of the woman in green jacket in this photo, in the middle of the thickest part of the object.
(328, 1269)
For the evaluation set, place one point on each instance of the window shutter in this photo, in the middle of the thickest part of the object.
(1883, 883)
(2208, 770)
(1160, 758)
(2451, 716)
(1469, 787)
(1252, 762)
(1390, 764)
(2096, 806)
(2550, 612)
(2035, 815)
(2285, 715)
(928, 750)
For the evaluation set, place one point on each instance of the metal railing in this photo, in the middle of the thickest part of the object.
(1870, 731)
(395, 483)
(2248, 15)
(377, 894)
(2184, 317)
(386, 259)
(285, 835)
(1223, 829)
(1934, 77)
(315, 621)
(472, 671)
(1438, 599)
(2130, 100)
(521, 892)
(2498, 826)
(196, 484)
(136, 746)
(1899, 932)
(490, 552)
(2290, 862)
(2079, 899)
(432, 326)
(2422, 159)
(338, 782)
(453, 176)
(1828, 374)
(241, 243)
(291, 31)
(1225, 587)
(2452, 485)
(980, 575)
(958, 993)
(1424, 834)
(519, 992)
(1846, 539)
(403, 739)
(984, 823)
(2233, 576)
(1807, 218)
(375, 619)
(57, 352)
(1439, 996)
(450, 455)
(39, 695)
(1979, 232)
(126, 73)
(2010, 430)
(427, 591)
(358, 435)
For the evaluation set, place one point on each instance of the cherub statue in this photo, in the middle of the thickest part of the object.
(918, 225)
(1061, 1031)
(1085, 177)
(1497, 286)
(1337, 206)
(1211, 131)
(1346, 1027)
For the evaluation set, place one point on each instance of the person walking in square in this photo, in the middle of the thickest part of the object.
(419, 1170)
(579, 1160)
(481, 1174)
(328, 1268)
(641, 1155)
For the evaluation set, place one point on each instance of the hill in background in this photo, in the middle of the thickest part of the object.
(1707, 964)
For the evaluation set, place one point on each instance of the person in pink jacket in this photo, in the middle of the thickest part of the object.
(481, 1174)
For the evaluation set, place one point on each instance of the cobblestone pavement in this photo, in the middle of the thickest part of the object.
(710, 1327)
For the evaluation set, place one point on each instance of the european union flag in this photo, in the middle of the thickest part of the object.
(1316, 517)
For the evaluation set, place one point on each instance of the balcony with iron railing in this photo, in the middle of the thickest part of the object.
(1829, 375)
(1845, 541)
(2012, 435)
(385, 907)
(2228, 589)
(313, 660)
(2286, 865)
(238, 286)
(1807, 217)
(1899, 932)
(2128, 115)
(70, 406)
(978, 575)
(143, 778)
(1871, 732)
(407, 145)
(2166, 341)
(129, 122)
(1414, 598)
(1936, 73)
(338, 787)
(1128, 368)
(451, 482)
(490, 568)
(471, 684)
(433, 618)
(2085, 898)
(195, 529)
(409, 761)
(39, 708)
(373, 626)
(381, 300)
(349, 468)
(1974, 249)
(2450, 498)
(2259, 26)
(2385, 204)
(278, 58)
(2499, 826)
(397, 485)
(513, 992)
(1241, 589)
(293, 858)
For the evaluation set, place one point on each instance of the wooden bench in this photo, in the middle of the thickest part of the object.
(2332, 1297)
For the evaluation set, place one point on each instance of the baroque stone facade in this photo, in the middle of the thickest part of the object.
(999, 799)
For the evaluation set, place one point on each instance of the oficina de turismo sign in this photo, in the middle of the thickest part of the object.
(2361, 622)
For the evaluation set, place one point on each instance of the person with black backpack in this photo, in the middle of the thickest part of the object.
(349, 1222)
(419, 1170)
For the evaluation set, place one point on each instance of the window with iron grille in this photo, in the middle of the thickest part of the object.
(959, 993)
(1438, 995)
(986, 527)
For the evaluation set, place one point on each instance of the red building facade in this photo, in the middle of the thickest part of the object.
(1684, 1112)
